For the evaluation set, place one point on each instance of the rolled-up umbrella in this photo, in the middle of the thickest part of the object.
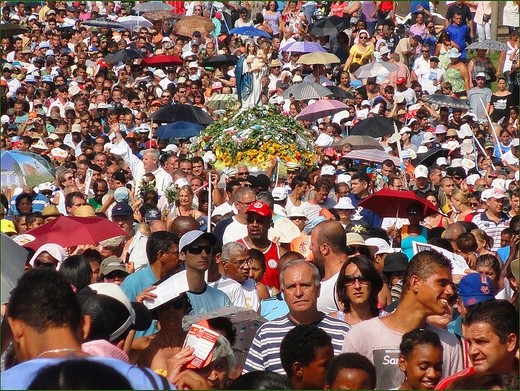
(328, 26)
(374, 69)
(250, 31)
(181, 112)
(374, 126)
(306, 90)
(162, 60)
(488, 44)
(303, 47)
(447, 101)
(318, 58)
(11, 29)
(149, 6)
(179, 129)
(188, 24)
(123, 55)
(220, 60)
(103, 22)
(320, 109)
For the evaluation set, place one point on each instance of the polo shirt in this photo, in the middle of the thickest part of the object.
(491, 228)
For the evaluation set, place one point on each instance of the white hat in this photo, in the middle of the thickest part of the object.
(279, 193)
(441, 161)
(480, 74)
(467, 164)
(144, 128)
(171, 148)
(181, 182)
(399, 97)
(366, 102)
(384, 50)
(499, 183)
(192, 236)
(296, 211)
(5, 119)
(382, 245)
(76, 128)
(453, 53)
(471, 179)
(465, 131)
(428, 138)
(492, 193)
(405, 129)
(422, 149)
(456, 162)
(344, 178)
(344, 203)
(159, 73)
(74, 89)
(324, 140)
(421, 171)
(467, 146)
(45, 186)
(452, 145)
(406, 154)
(327, 169)
(40, 145)
(297, 79)
(53, 137)
(193, 64)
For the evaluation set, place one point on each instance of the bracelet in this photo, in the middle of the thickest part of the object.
(161, 372)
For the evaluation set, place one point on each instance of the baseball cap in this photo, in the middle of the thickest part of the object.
(171, 148)
(475, 288)
(405, 129)
(440, 129)
(122, 209)
(151, 215)
(400, 80)
(7, 226)
(496, 193)
(112, 264)
(417, 38)
(296, 211)
(480, 74)
(344, 203)
(428, 138)
(121, 194)
(382, 245)
(395, 262)
(489, 144)
(327, 169)
(421, 171)
(260, 208)
(191, 237)
(279, 193)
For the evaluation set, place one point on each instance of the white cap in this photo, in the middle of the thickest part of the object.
(366, 102)
(422, 149)
(421, 171)
(296, 211)
(193, 64)
(181, 182)
(441, 161)
(5, 119)
(279, 193)
(171, 148)
(382, 245)
(465, 131)
(76, 128)
(405, 129)
(467, 164)
(327, 169)
(499, 183)
(480, 74)
(344, 203)
(399, 97)
(428, 138)
(324, 140)
(471, 179)
(159, 73)
(344, 178)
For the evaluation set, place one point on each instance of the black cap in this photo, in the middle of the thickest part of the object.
(395, 262)
(417, 38)
(456, 171)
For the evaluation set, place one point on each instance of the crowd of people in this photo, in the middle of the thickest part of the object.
(342, 296)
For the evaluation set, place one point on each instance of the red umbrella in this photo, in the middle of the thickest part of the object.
(395, 203)
(68, 231)
(162, 60)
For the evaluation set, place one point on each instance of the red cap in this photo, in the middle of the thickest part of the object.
(400, 80)
(260, 208)
(103, 63)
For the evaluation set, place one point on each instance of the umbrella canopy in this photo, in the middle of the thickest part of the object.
(320, 109)
(302, 47)
(428, 158)
(103, 22)
(250, 31)
(306, 90)
(222, 101)
(318, 58)
(328, 26)
(180, 112)
(374, 126)
(162, 60)
(488, 44)
(25, 169)
(132, 21)
(149, 6)
(358, 142)
(10, 29)
(395, 203)
(447, 101)
(123, 55)
(374, 69)
(340, 93)
(154, 16)
(13, 265)
(188, 24)
(371, 155)
(220, 60)
(69, 231)
(179, 129)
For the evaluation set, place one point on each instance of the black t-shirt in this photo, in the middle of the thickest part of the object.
(464, 10)
(501, 105)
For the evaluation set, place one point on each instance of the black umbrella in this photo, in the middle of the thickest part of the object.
(180, 112)
(430, 157)
(10, 29)
(448, 101)
(124, 55)
(328, 26)
(374, 126)
(220, 60)
(340, 93)
(149, 6)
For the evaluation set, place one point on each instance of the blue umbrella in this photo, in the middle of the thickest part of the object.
(179, 129)
(24, 169)
(251, 31)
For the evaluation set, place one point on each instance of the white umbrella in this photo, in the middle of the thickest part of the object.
(132, 21)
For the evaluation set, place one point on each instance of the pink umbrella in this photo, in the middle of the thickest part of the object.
(371, 155)
(320, 109)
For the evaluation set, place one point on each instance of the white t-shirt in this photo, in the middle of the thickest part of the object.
(327, 299)
(232, 289)
(234, 231)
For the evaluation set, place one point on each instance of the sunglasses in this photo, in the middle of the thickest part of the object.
(351, 280)
(197, 249)
(351, 250)
(116, 274)
(258, 220)
(363, 37)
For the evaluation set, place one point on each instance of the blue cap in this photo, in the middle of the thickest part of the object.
(47, 79)
(122, 209)
(475, 288)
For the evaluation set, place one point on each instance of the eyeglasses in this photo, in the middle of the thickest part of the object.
(242, 262)
(197, 249)
(351, 280)
(246, 173)
(248, 204)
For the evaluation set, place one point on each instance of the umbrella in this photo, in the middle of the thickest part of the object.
(428, 158)
(250, 31)
(245, 322)
(132, 21)
(302, 47)
(395, 203)
(371, 155)
(154, 16)
(179, 129)
(148, 6)
(488, 44)
(358, 142)
(220, 60)
(328, 26)
(162, 60)
(13, 264)
(24, 169)
(11, 29)
(318, 58)
(222, 101)
(447, 101)
(320, 109)
(188, 24)
(374, 126)
(69, 231)
(123, 55)
(103, 22)
(306, 90)
(374, 69)
(180, 112)
(340, 93)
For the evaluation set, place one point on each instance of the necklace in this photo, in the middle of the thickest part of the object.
(57, 351)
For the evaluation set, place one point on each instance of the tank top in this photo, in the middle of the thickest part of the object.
(272, 256)
(454, 76)
(444, 60)
(479, 66)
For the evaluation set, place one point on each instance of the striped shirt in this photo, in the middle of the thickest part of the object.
(264, 354)
(491, 228)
